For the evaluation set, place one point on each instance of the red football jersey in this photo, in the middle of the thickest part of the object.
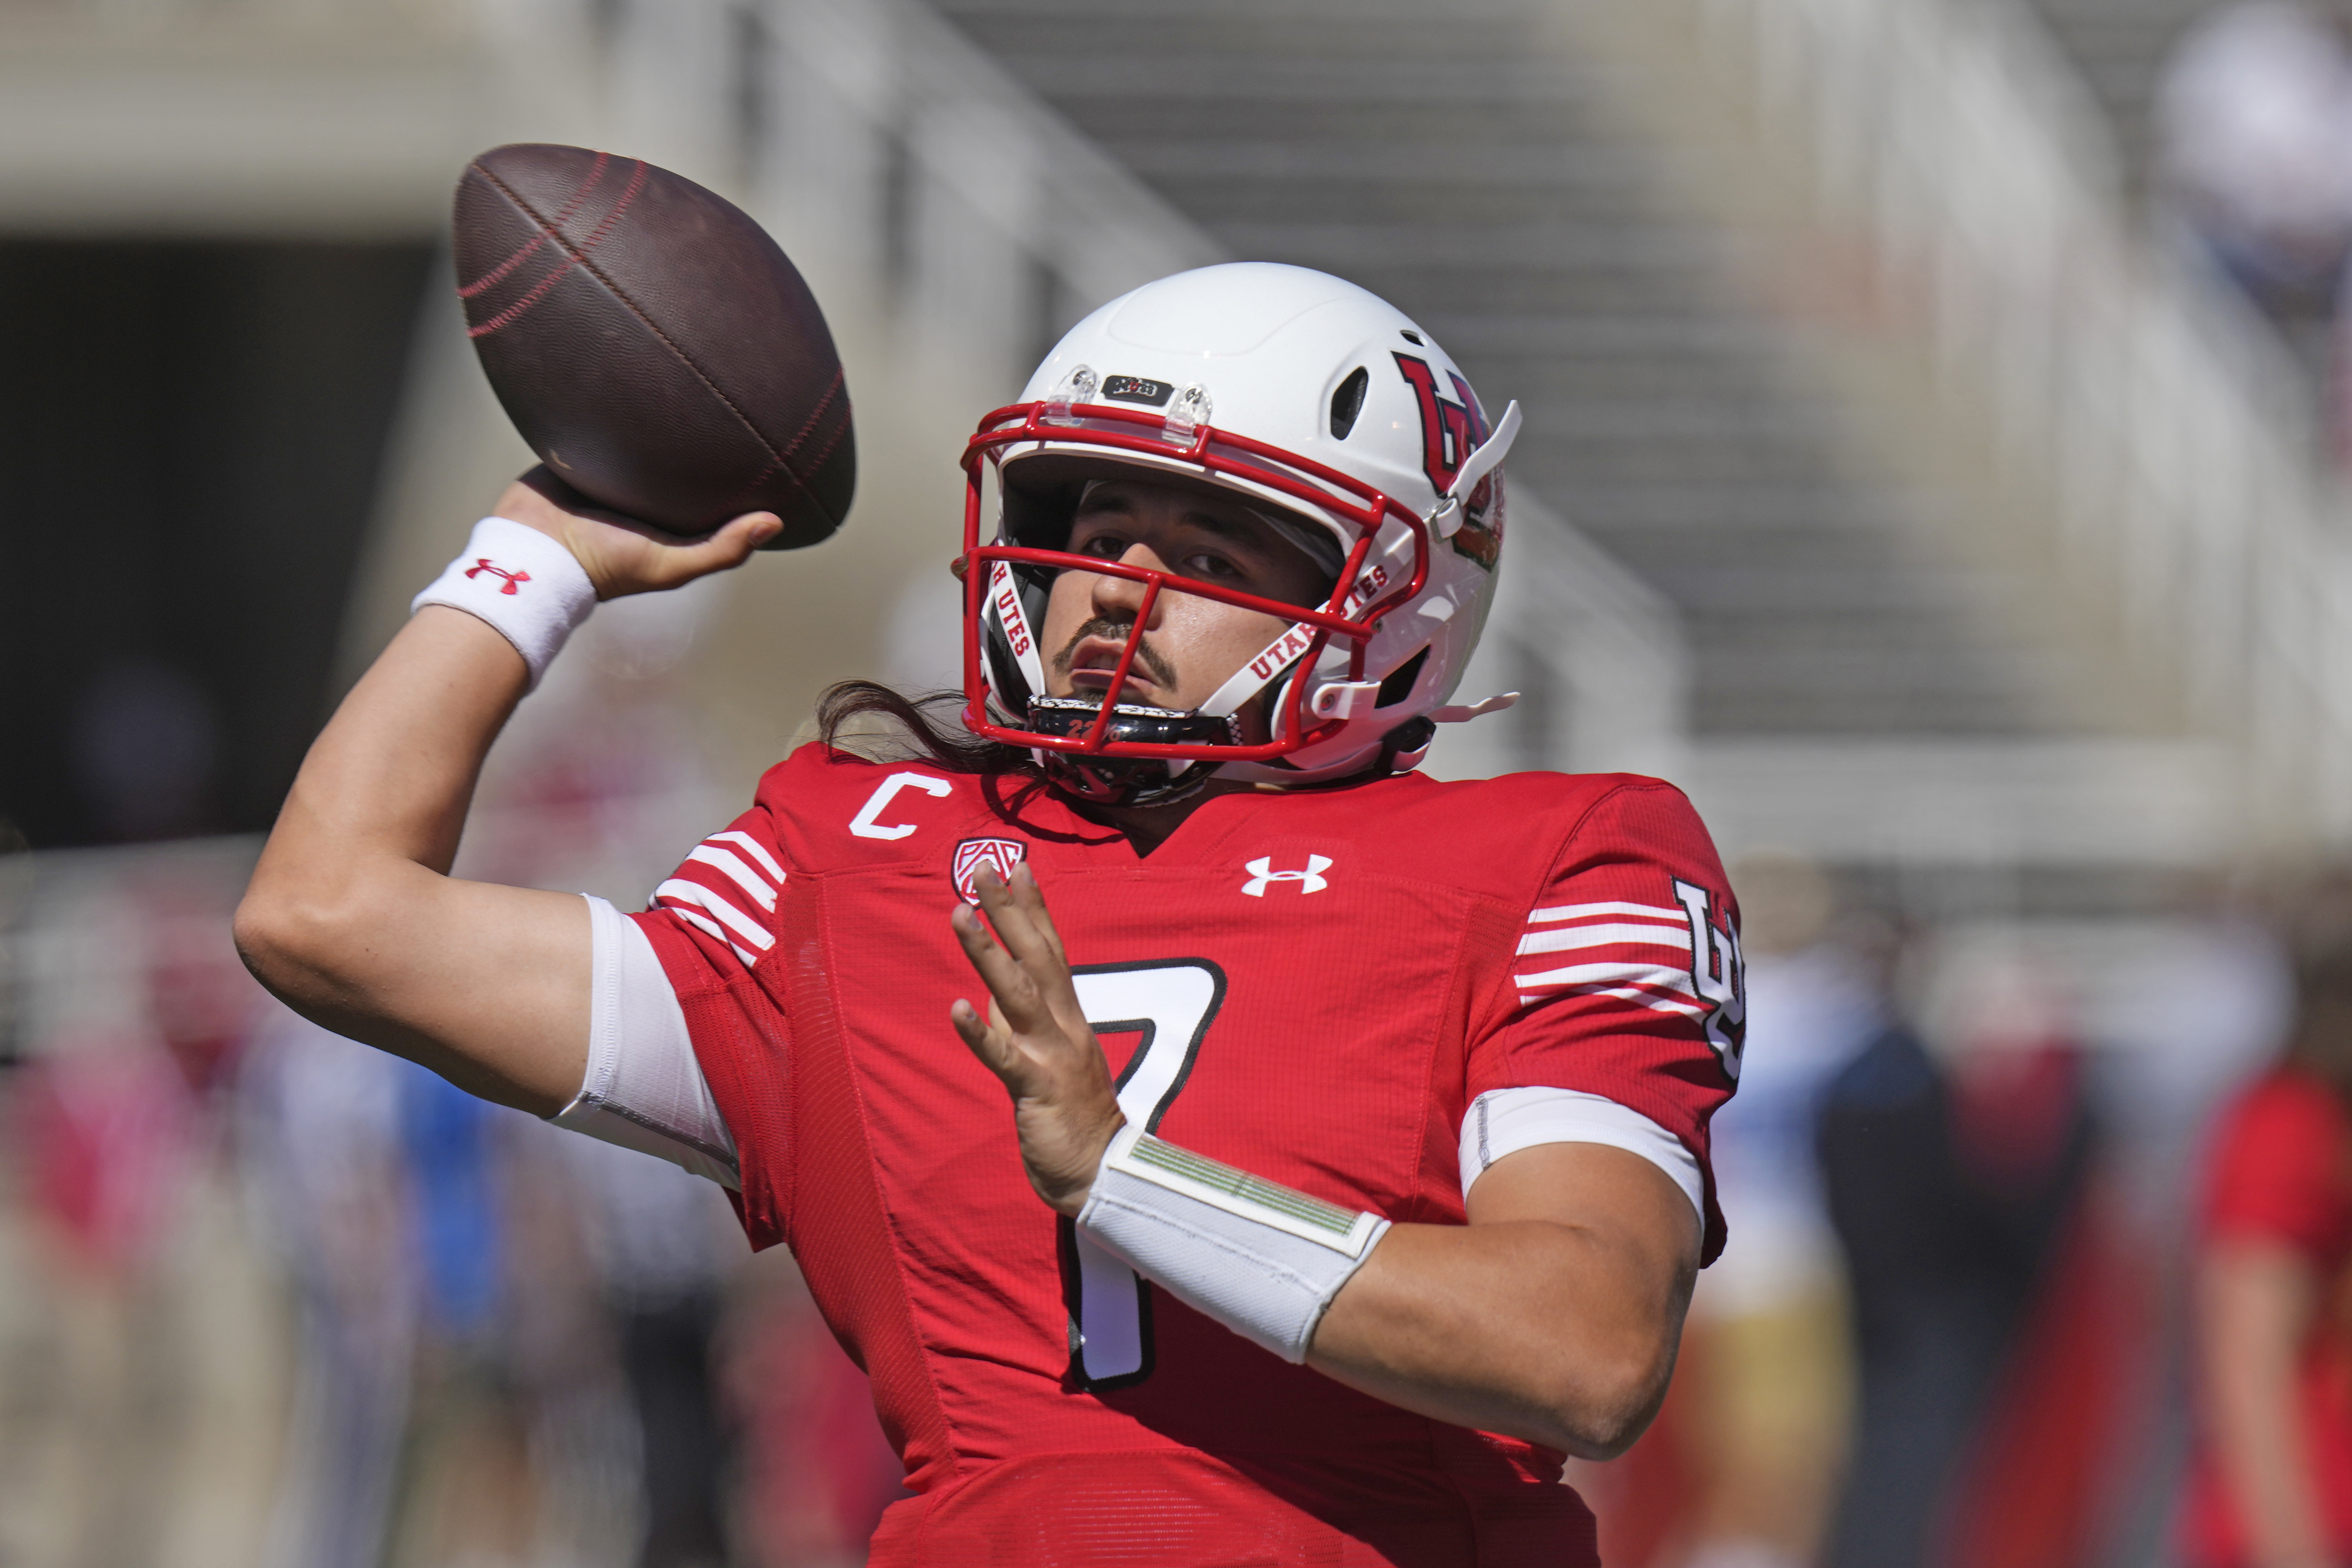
(2280, 1169)
(1310, 985)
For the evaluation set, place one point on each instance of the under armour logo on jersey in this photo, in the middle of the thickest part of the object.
(482, 563)
(1263, 875)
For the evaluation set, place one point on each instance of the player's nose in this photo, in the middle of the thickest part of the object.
(1124, 595)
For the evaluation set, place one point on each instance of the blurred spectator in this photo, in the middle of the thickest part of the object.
(323, 1156)
(1765, 1382)
(106, 1132)
(2253, 130)
(1950, 1182)
(2271, 1486)
(664, 1245)
(457, 1398)
(2253, 125)
(135, 1326)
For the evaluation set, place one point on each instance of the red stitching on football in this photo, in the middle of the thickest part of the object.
(571, 258)
(673, 368)
(595, 173)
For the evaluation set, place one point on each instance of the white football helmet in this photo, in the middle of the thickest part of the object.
(1320, 406)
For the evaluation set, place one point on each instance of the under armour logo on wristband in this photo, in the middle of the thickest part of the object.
(482, 564)
(1263, 875)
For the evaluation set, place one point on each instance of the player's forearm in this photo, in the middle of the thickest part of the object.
(1559, 1334)
(2255, 1306)
(391, 776)
(2264, 1456)
(352, 918)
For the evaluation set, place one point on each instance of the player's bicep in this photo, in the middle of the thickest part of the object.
(486, 985)
(644, 1088)
(1622, 1003)
(1624, 1200)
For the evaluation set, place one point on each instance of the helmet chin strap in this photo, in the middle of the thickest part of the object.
(1125, 781)
(1005, 599)
(1146, 781)
(1260, 672)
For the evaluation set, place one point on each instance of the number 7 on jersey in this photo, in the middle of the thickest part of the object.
(1170, 1003)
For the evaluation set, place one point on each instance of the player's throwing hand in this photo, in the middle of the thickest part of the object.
(620, 554)
(1035, 1038)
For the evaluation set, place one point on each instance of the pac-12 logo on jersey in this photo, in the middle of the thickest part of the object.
(973, 853)
(1450, 432)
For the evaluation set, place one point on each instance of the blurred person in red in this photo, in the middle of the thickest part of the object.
(2272, 1482)
(151, 1417)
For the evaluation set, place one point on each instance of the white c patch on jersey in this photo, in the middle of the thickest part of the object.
(868, 823)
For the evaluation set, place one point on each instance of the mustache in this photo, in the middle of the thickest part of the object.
(1153, 662)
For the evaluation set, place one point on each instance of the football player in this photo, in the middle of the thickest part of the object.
(1356, 1164)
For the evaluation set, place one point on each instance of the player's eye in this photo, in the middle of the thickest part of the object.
(1211, 566)
(1103, 546)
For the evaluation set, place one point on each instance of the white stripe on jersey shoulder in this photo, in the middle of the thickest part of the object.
(682, 898)
(643, 1089)
(1504, 1120)
(1676, 915)
(706, 899)
(1560, 939)
(1660, 987)
(1589, 977)
(754, 848)
(1650, 999)
(730, 866)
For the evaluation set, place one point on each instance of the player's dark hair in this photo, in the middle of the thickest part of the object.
(931, 723)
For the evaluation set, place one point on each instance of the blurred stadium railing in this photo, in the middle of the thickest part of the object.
(2113, 438)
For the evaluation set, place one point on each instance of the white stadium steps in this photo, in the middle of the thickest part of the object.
(1451, 160)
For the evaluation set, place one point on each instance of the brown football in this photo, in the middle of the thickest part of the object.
(653, 346)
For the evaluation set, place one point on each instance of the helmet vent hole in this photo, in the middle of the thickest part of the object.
(1349, 401)
(1409, 335)
(1398, 685)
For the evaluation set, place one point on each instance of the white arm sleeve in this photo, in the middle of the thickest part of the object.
(1504, 1120)
(644, 1090)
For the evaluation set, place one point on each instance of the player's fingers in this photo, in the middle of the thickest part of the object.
(1017, 908)
(1013, 917)
(1028, 934)
(1046, 962)
(1032, 899)
(671, 565)
(994, 1046)
(1006, 980)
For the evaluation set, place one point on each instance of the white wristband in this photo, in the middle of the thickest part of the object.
(1265, 1260)
(525, 583)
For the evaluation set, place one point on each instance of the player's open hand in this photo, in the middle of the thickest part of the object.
(1035, 1039)
(620, 554)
